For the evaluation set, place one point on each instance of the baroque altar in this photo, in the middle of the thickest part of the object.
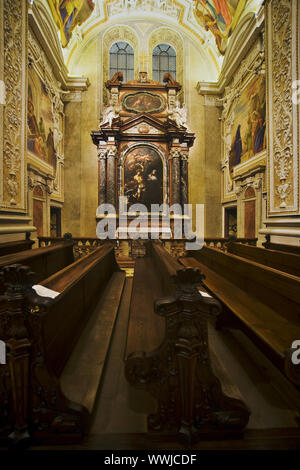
(143, 146)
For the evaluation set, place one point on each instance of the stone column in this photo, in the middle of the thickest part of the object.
(101, 176)
(111, 175)
(175, 156)
(184, 188)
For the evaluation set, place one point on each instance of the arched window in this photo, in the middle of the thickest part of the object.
(121, 60)
(163, 60)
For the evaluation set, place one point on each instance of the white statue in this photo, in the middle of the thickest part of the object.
(110, 113)
(178, 115)
(57, 134)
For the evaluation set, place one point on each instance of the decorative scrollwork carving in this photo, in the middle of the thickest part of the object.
(13, 113)
(283, 121)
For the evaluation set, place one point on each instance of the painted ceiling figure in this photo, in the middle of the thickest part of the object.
(220, 17)
(69, 13)
(223, 10)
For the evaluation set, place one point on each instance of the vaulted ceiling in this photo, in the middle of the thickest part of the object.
(208, 23)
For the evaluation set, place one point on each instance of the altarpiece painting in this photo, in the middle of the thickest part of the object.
(143, 177)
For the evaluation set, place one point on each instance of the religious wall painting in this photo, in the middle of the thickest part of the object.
(220, 17)
(143, 102)
(143, 176)
(248, 132)
(40, 122)
(69, 13)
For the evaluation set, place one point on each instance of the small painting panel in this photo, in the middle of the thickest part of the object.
(143, 102)
(143, 177)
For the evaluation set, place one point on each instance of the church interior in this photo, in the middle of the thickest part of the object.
(117, 331)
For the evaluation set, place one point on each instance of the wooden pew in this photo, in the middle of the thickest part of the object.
(56, 357)
(283, 261)
(168, 355)
(221, 243)
(259, 300)
(42, 261)
(14, 247)
(281, 247)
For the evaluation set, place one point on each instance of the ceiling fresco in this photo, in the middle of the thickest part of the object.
(220, 17)
(208, 23)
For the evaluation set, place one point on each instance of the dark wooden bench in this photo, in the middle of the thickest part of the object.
(57, 347)
(281, 247)
(261, 301)
(167, 351)
(14, 247)
(42, 261)
(283, 261)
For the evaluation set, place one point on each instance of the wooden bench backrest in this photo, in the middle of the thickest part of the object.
(15, 247)
(279, 290)
(280, 247)
(80, 286)
(145, 328)
(283, 261)
(154, 278)
(42, 261)
(167, 266)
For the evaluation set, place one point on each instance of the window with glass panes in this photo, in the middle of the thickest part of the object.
(122, 60)
(163, 60)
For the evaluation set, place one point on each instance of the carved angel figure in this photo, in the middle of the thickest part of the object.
(178, 115)
(109, 114)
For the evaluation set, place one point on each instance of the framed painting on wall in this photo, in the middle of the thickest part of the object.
(248, 132)
(40, 122)
(143, 102)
